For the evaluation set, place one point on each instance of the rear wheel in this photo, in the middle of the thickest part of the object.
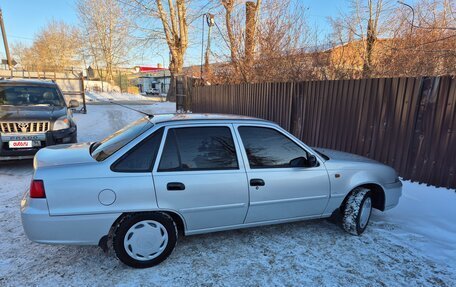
(143, 240)
(357, 211)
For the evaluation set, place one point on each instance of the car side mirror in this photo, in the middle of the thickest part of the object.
(311, 161)
(298, 162)
(73, 104)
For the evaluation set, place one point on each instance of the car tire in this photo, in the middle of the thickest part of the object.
(357, 211)
(143, 240)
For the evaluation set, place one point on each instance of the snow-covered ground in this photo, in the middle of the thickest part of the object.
(411, 245)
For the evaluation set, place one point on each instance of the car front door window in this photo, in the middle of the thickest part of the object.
(268, 148)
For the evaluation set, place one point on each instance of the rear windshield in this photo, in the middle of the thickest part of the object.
(30, 96)
(103, 149)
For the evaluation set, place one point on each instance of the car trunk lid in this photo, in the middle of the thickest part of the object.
(66, 154)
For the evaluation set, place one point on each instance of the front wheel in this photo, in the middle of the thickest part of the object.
(357, 211)
(144, 239)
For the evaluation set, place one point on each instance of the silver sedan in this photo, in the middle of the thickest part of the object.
(182, 174)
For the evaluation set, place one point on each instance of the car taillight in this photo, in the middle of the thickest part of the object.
(37, 189)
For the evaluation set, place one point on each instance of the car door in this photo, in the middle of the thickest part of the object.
(277, 189)
(201, 175)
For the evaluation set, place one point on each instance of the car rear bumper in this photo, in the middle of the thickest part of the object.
(393, 192)
(40, 227)
(46, 139)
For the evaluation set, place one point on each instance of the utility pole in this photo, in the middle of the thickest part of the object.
(210, 22)
(5, 41)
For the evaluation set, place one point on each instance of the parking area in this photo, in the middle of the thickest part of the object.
(413, 244)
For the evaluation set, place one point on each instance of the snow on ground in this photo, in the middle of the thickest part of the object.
(413, 244)
(114, 96)
(436, 207)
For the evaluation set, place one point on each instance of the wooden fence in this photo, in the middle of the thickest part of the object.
(407, 123)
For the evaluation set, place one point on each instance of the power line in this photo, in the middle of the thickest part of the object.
(20, 37)
(422, 27)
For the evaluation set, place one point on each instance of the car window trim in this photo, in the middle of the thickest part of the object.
(239, 158)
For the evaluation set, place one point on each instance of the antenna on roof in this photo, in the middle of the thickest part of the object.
(130, 108)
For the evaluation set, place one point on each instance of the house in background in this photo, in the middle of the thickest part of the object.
(153, 80)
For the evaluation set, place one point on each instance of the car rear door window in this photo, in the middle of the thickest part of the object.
(141, 158)
(198, 148)
(269, 148)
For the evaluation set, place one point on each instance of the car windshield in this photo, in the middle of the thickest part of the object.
(103, 149)
(30, 96)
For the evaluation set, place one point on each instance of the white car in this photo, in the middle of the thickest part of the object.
(187, 174)
(153, 91)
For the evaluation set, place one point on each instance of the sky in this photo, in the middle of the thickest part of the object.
(24, 18)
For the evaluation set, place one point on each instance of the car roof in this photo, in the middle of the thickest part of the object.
(173, 117)
(32, 82)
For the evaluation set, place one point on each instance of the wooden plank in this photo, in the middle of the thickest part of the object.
(377, 137)
(438, 134)
(364, 118)
(407, 124)
(340, 114)
(370, 117)
(403, 123)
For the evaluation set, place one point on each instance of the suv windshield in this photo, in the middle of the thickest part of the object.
(30, 95)
(103, 149)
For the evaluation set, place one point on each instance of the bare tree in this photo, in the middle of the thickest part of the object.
(56, 47)
(107, 32)
(173, 18)
(175, 28)
(275, 51)
(251, 19)
(229, 5)
(375, 10)
(422, 42)
(415, 41)
(365, 22)
(242, 63)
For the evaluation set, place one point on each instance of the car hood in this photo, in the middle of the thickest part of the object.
(345, 156)
(65, 154)
(31, 113)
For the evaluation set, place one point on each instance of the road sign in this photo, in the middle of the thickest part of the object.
(5, 62)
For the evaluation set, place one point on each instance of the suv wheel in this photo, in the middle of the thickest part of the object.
(143, 240)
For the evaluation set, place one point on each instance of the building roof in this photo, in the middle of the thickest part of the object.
(161, 118)
(158, 74)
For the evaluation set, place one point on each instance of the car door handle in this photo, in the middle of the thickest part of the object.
(256, 182)
(175, 186)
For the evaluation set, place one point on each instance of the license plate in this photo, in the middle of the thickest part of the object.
(20, 144)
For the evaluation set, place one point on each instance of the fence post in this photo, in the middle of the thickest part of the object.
(84, 107)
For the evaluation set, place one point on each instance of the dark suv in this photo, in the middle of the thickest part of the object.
(33, 114)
